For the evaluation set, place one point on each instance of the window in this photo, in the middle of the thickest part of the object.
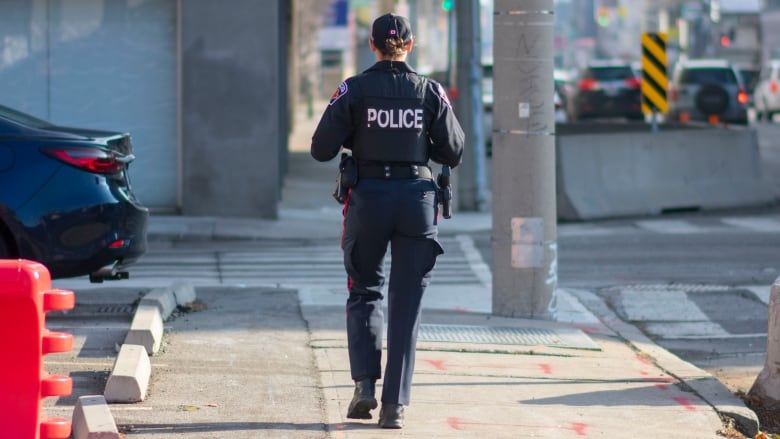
(708, 75)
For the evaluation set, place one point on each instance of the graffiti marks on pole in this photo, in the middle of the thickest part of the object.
(531, 98)
(528, 45)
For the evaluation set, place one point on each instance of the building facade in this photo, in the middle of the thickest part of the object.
(201, 86)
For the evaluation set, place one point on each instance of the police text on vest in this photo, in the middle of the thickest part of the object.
(396, 118)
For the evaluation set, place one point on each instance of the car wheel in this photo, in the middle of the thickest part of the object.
(712, 99)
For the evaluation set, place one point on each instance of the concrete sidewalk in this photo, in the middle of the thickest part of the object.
(622, 388)
(272, 363)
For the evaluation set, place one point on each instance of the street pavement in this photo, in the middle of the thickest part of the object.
(271, 361)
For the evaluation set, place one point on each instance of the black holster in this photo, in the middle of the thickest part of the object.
(346, 178)
(445, 191)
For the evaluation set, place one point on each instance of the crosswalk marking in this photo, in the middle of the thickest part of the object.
(672, 226)
(763, 292)
(759, 224)
(649, 306)
(291, 265)
(475, 261)
(670, 313)
(461, 280)
(589, 230)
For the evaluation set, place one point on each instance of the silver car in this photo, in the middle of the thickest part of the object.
(707, 90)
(766, 97)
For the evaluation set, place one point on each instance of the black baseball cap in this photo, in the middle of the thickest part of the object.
(390, 26)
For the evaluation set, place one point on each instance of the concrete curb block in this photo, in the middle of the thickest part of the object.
(92, 419)
(700, 381)
(146, 329)
(162, 298)
(183, 292)
(154, 308)
(132, 370)
(129, 379)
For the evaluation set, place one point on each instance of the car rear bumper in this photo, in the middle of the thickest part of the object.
(738, 115)
(102, 235)
(602, 106)
(78, 236)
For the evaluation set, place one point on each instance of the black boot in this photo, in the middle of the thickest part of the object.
(363, 401)
(391, 416)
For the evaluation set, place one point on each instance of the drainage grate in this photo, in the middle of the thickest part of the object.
(97, 311)
(115, 309)
(504, 336)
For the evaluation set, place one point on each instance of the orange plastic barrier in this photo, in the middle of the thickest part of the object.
(25, 298)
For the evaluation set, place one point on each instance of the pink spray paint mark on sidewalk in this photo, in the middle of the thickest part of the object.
(685, 402)
(437, 364)
(577, 427)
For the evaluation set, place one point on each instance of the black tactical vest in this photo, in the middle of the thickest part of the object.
(392, 125)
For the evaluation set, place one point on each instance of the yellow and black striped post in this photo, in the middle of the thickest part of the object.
(654, 75)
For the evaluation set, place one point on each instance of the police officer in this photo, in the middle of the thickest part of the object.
(393, 121)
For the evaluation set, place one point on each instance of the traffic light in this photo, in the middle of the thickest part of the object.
(447, 5)
(603, 17)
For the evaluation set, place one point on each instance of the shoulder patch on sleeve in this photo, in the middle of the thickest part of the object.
(341, 91)
(443, 94)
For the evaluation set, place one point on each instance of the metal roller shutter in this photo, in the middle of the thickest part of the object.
(109, 64)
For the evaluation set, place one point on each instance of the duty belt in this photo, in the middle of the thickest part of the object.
(394, 171)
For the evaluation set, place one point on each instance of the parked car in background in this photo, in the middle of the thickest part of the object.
(606, 89)
(560, 111)
(749, 74)
(636, 66)
(563, 86)
(66, 200)
(707, 90)
(766, 96)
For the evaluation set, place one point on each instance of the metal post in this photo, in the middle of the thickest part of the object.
(468, 106)
(654, 124)
(525, 254)
(415, 22)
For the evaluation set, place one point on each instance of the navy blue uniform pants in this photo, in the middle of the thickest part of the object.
(403, 214)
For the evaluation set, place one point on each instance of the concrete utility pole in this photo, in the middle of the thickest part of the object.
(767, 385)
(525, 253)
(468, 106)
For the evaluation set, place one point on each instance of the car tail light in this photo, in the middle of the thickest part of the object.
(588, 84)
(773, 86)
(742, 97)
(119, 243)
(89, 159)
(633, 83)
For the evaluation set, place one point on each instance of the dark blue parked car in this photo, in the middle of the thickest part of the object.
(65, 198)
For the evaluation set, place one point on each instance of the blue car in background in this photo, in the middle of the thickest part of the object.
(66, 200)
